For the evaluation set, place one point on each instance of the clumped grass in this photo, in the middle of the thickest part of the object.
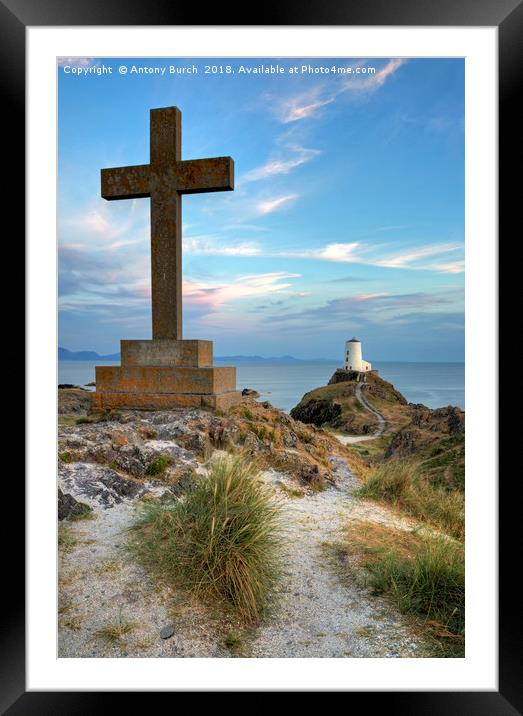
(424, 575)
(73, 622)
(291, 491)
(318, 484)
(220, 542)
(99, 417)
(260, 431)
(65, 604)
(113, 633)
(67, 420)
(110, 566)
(233, 642)
(66, 539)
(65, 456)
(159, 465)
(148, 432)
(398, 482)
(82, 511)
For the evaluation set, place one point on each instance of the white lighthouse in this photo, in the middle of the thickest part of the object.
(353, 359)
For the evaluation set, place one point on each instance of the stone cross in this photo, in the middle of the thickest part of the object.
(164, 180)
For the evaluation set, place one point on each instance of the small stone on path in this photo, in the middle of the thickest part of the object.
(167, 632)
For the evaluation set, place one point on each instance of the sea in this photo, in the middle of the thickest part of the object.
(283, 384)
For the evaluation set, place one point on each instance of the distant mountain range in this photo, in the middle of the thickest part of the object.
(64, 354)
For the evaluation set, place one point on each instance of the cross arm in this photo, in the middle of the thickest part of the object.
(126, 182)
(202, 175)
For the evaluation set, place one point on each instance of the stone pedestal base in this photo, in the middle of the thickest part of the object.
(164, 375)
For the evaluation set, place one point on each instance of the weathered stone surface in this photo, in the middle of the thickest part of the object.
(317, 412)
(164, 401)
(167, 353)
(73, 400)
(222, 401)
(143, 380)
(341, 375)
(69, 508)
(98, 484)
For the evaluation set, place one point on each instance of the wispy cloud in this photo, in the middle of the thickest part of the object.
(413, 256)
(270, 205)
(345, 253)
(304, 105)
(341, 253)
(213, 295)
(107, 227)
(300, 156)
(205, 246)
(452, 267)
(376, 308)
(309, 103)
(95, 221)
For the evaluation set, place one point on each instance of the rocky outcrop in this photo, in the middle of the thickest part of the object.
(317, 412)
(435, 439)
(135, 454)
(249, 392)
(426, 427)
(341, 375)
(449, 420)
(69, 508)
(72, 399)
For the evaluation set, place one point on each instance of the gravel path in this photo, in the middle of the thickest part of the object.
(351, 439)
(321, 614)
(318, 613)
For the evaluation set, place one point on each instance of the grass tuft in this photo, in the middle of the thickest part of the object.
(291, 491)
(221, 541)
(159, 465)
(234, 643)
(424, 575)
(73, 622)
(398, 482)
(66, 539)
(113, 633)
(99, 417)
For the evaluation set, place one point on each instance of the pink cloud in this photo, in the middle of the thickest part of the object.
(201, 293)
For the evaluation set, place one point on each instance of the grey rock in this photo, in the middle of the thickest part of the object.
(250, 392)
(69, 508)
(166, 632)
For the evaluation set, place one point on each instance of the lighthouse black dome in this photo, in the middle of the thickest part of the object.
(354, 340)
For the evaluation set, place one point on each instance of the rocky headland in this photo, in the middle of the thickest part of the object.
(435, 437)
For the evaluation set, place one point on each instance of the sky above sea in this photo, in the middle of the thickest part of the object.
(347, 216)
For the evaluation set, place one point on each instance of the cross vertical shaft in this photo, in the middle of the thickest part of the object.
(166, 223)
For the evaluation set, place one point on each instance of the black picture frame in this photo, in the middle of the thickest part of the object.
(507, 16)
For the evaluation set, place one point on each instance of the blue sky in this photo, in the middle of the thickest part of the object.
(347, 217)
